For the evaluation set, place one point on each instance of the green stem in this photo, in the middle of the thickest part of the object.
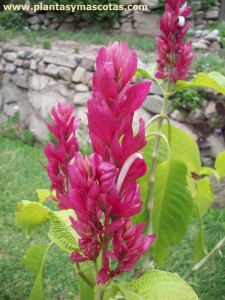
(78, 272)
(99, 292)
(150, 205)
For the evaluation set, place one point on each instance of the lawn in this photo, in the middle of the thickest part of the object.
(20, 175)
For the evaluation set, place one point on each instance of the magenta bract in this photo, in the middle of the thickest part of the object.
(174, 54)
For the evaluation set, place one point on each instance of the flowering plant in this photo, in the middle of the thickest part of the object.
(106, 199)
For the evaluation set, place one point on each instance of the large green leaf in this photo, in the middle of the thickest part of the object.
(173, 206)
(34, 259)
(205, 196)
(158, 285)
(220, 164)
(212, 80)
(183, 148)
(61, 232)
(30, 216)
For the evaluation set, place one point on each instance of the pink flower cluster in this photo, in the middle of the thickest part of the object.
(174, 54)
(102, 188)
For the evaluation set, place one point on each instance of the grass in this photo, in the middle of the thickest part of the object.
(20, 175)
(208, 63)
(91, 36)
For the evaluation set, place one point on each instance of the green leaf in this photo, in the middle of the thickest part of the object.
(183, 148)
(149, 73)
(85, 291)
(173, 206)
(30, 216)
(205, 196)
(220, 164)
(158, 285)
(34, 259)
(212, 80)
(61, 232)
(44, 194)
(200, 249)
(210, 171)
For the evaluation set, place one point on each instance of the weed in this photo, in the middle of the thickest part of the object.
(46, 44)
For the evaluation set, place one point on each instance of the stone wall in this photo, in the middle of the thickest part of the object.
(32, 81)
(143, 23)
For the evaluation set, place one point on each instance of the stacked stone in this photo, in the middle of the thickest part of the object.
(35, 80)
(207, 40)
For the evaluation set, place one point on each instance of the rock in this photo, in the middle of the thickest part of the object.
(212, 14)
(41, 67)
(54, 26)
(199, 45)
(152, 4)
(34, 20)
(187, 128)
(18, 62)
(178, 116)
(10, 56)
(200, 15)
(140, 113)
(20, 81)
(146, 24)
(69, 19)
(211, 37)
(78, 74)
(215, 46)
(196, 117)
(154, 104)
(26, 64)
(125, 13)
(37, 55)
(215, 32)
(48, 100)
(128, 2)
(210, 109)
(10, 109)
(33, 65)
(38, 82)
(47, 22)
(61, 60)
(81, 88)
(10, 68)
(52, 70)
(65, 73)
(10, 93)
(67, 27)
(51, 14)
(217, 145)
(41, 17)
(38, 127)
(88, 62)
(35, 27)
(26, 54)
(116, 25)
(65, 92)
(205, 32)
(126, 28)
(8, 48)
(81, 98)
(155, 89)
(198, 33)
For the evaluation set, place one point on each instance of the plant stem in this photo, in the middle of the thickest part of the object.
(79, 272)
(99, 292)
(150, 205)
(202, 262)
